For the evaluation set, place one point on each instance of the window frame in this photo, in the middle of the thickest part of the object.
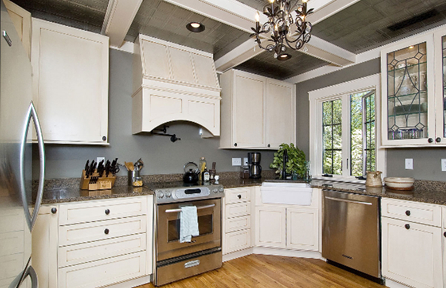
(343, 91)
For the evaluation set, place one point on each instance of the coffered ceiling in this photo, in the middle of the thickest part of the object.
(341, 28)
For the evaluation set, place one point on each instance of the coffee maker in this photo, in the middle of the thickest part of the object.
(255, 170)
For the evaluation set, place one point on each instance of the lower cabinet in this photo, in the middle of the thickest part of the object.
(411, 249)
(113, 245)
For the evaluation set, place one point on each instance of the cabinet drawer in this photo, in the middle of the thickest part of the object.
(238, 223)
(237, 195)
(235, 210)
(104, 272)
(411, 211)
(101, 230)
(237, 240)
(98, 250)
(102, 210)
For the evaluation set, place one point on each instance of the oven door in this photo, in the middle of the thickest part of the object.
(168, 228)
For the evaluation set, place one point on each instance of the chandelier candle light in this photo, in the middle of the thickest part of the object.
(285, 31)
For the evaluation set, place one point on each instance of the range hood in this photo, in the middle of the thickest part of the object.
(173, 83)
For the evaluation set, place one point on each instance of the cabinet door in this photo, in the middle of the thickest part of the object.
(280, 113)
(411, 254)
(302, 229)
(45, 244)
(248, 111)
(440, 86)
(22, 22)
(270, 228)
(70, 83)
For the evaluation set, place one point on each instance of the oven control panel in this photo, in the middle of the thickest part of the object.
(169, 195)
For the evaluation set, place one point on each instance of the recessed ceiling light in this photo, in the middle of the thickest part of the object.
(195, 27)
(283, 57)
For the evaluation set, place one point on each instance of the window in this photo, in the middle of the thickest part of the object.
(344, 121)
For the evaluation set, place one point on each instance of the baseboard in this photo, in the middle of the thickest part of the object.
(132, 283)
(273, 251)
(392, 284)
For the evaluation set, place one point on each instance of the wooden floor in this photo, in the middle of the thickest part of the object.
(274, 271)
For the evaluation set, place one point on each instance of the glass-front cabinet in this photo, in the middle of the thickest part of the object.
(411, 92)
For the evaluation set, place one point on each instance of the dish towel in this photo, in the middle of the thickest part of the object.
(188, 223)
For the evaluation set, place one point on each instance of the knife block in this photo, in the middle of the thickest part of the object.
(94, 182)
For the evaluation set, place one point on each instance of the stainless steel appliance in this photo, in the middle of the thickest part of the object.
(351, 231)
(255, 170)
(175, 260)
(17, 215)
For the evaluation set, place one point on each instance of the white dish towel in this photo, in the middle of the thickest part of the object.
(188, 223)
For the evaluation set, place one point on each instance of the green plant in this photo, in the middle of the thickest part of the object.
(296, 160)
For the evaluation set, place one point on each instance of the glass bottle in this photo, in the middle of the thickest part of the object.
(205, 175)
(202, 165)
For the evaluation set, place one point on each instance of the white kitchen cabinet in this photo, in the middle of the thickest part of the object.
(113, 245)
(22, 22)
(413, 89)
(303, 228)
(256, 112)
(237, 217)
(411, 250)
(70, 83)
(270, 228)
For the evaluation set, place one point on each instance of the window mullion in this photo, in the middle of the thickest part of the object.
(346, 135)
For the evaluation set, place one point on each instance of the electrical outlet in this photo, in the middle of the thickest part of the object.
(409, 164)
(99, 159)
(443, 164)
(236, 161)
(245, 161)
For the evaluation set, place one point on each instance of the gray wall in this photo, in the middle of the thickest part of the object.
(160, 155)
(426, 160)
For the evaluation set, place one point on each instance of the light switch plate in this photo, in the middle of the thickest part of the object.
(236, 161)
(443, 164)
(245, 161)
(409, 164)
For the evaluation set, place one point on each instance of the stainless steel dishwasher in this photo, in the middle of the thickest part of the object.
(351, 231)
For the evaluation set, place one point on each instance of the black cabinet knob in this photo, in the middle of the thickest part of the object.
(235, 144)
(407, 226)
(107, 211)
(239, 196)
(408, 213)
(54, 210)
(106, 231)
(438, 140)
(430, 140)
(104, 138)
(269, 145)
(444, 234)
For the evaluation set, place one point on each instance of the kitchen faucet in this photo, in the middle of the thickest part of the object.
(285, 160)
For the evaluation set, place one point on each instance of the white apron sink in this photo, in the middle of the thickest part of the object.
(290, 193)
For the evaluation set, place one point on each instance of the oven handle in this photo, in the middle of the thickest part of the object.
(198, 207)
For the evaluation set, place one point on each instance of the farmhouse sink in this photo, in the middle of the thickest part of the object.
(288, 193)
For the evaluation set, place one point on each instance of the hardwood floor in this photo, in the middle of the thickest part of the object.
(274, 271)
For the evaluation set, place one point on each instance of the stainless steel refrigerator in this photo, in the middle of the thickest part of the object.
(18, 204)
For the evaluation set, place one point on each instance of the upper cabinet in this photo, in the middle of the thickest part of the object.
(70, 83)
(22, 22)
(413, 92)
(173, 83)
(256, 112)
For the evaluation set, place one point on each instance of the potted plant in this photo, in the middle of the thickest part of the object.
(296, 161)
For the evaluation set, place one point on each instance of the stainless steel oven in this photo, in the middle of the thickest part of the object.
(175, 260)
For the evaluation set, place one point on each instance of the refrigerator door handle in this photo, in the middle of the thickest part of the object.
(31, 220)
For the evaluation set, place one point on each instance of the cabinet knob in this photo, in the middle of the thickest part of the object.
(106, 231)
(444, 234)
(104, 138)
(269, 145)
(407, 226)
(54, 210)
(235, 144)
(408, 213)
(239, 196)
(107, 211)
(438, 140)
(430, 140)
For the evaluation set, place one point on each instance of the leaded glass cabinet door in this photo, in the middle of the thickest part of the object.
(440, 89)
(408, 98)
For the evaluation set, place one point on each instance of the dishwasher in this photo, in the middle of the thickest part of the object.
(351, 231)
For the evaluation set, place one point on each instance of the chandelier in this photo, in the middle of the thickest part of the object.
(285, 31)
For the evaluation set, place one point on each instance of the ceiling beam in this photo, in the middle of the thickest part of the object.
(118, 18)
(241, 16)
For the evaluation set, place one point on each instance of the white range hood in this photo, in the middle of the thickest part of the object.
(173, 83)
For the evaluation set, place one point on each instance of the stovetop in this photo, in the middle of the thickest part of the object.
(169, 192)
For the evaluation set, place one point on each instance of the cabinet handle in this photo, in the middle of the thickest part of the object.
(239, 196)
(438, 140)
(235, 144)
(106, 231)
(407, 226)
(107, 211)
(430, 140)
(54, 210)
(104, 138)
(408, 213)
